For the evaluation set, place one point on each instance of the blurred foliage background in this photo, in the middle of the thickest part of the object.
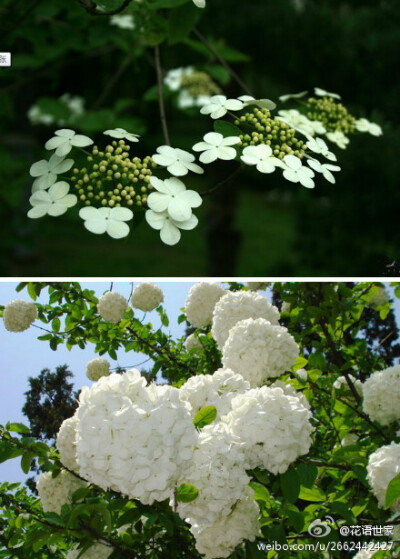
(258, 225)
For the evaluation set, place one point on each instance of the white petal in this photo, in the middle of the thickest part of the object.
(292, 162)
(63, 166)
(89, 213)
(163, 160)
(175, 186)
(59, 190)
(158, 201)
(226, 153)
(40, 197)
(218, 112)
(65, 133)
(39, 168)
(69, 200)
(213, 138)
(201, 146)
(192, 198)
(189, 224)
(231, 141)
(57, 209)
(290, 175)
(37, 211)
(54, 143)
(209, 156)
(266, 167)
(63, 149)
(81, 141)
(195, 168)
(96, 226)
(159, 185)
(234, 105)
(117, 229)
(121, 214)
(179, 210)
(177, 169)
(155, 220)
(250, 159)
(170, 234)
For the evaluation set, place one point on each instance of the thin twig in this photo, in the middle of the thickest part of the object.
(161, 95)
(220, 184)
(224, 63)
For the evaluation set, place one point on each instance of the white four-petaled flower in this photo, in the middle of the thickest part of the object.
(294, 171)
(317, 145)
(107, 220)
(219, 105)
(215, 146)
(324, 168)
(173, 198)
(322, 93)
(121, 133)
(54, 201)
(65, 140)
(364, 125)
(261, 156)
(338, 138)
(46, 171)
(168, 227)
(177, 161)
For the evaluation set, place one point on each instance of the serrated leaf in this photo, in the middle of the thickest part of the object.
(205, 416)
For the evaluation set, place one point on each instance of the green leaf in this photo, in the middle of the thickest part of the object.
(157, 4)
(226, 128)
(205, 416)
(186, 493)
(393, 491)
(26, 461)
(181, 21)
(56, 324)
(290, 485)
(307, 474)
(18, 428)
(261, 493)
(315, 494)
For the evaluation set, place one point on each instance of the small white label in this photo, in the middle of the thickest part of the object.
(5, 59)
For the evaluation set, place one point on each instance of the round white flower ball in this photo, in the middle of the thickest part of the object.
(342, 384)
(237, 306)
(301, 374)
(66, 443)
(134, 439)
(18, 315)
(349, 439)
(97, 368)
(96, 551)
(381, 395)
(213, 390)
(112, 306)
(259, 350)
(193, 342)
(146, 297)
(274, 427)
(223, 536)
(56, 492)
(201, 301)
(383, 466)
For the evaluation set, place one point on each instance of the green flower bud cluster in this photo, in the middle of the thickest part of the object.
(111, 178)
(333, 115)
(199, 83)
(270, 131)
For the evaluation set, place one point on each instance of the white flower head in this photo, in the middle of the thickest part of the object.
(56, 492)
(65, 140)
(19, 315)
(262, 157)
(107, 220)
(294, 171)
(174, 77)
(323, 93)
(262, 103)
(301, 123)
(169, 228)
(46, 172)
(215, 146)
(97, 368)
(172, 197)
(66, 443)
(317, 145)
(326, 169)
(123, 21)
(112, 306)
(364, 125)
(219, 105)
(177, 161)
(338, 138)
(95, 551)
(147, 297)
(121, 133)
(201, 301)
(284, 98)
(383, 466)
(54, 201)
(381, 395)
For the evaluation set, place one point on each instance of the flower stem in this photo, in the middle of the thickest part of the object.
(161, 95)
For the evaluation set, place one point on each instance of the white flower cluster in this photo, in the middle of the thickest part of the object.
(66, 443)
(112, 306)
(383, 466)
(56, 492)
(134, 439)
(19, 315)
(259, 350)
(236, 306)
(96, 551)
(147, 297)
(193, 342)
(364, 125)
(342, 384)
(273, 426)
(300, 122)
(213, 390)
(223, 536)
(175, 80)
(201, 301)
(75, 105)
(97, 368)
(381, 395)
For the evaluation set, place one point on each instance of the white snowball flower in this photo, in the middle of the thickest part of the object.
(236, 306)
(46, 171)
(338, 138)
(65, 140)
(96, 551)
(258, 285)
(54, 201)
(213, 390)
(261, 156)
(177, 161)
(19, 315)
(217, 471)
(219, 105)
(284, 98)
(342, 384)
(172, 197)
(364, 125)
(349, 439)
(56, 492)
(222, 537)
(262, 103)
(200, 3)
(107, 220)
(121, 133)
(66, 443)
(317, 145)
(147, 297)
(274, 427)
(169, 228)
(97, 368)
(134, 439)
(215, 146)
(193, 342)
(326, 169)
(301, 374)
(288, 390)
(381, 395)
(123, 21)
(112, 306)
(259, 350)
(201, 301)
(301, 123)
(322, 93)
(294, 171)
(383, 466)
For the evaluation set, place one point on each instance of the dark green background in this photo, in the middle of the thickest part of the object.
(278, 228)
